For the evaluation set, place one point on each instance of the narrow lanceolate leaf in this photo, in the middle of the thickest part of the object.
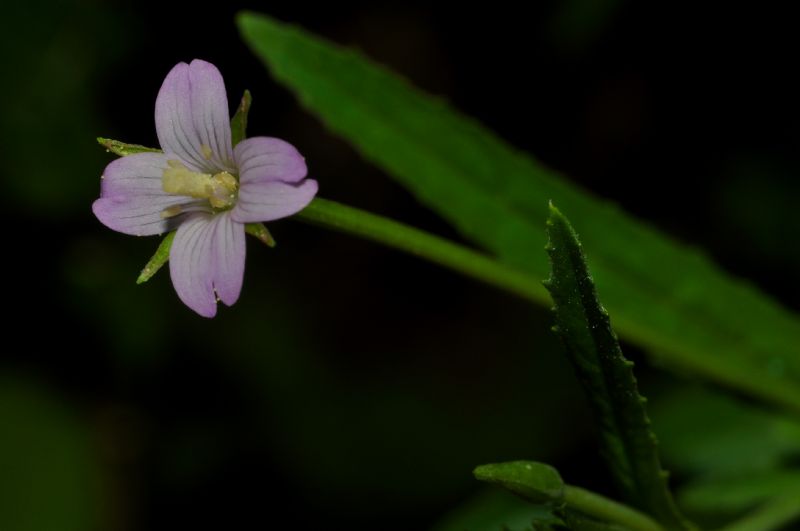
(583, 324)
(664, 296)
(122, 149)
(260, 231)
(239, 120)
(160, 258)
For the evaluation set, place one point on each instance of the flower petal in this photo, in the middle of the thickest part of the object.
(265, 159)
(131, 198)
(192, 117)
(229, 253)
(208, 255)
(266, 201)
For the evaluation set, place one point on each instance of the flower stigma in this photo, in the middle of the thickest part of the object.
(220, 188)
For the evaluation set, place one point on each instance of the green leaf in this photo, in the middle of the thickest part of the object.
(583, 324)
(239, 120)
(542, 484)
(160, 258)
(535, 482)
(122, 149)
(665, 296)
(259, 230)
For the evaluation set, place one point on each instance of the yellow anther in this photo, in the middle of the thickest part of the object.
(220, 188)
(222, 191)
(206, 149)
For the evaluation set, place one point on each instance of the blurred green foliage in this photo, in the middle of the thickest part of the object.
(51, 474)
(56, 54)
(707, 434)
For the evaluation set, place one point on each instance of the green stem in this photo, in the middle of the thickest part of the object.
(414, 241)
(604, 509)
(771, 515)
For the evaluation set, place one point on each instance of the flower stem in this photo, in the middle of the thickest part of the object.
(446, 253)
(607, 510)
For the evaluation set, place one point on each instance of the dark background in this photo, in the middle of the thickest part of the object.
(351, 386)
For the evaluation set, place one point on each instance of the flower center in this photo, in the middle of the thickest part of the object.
(220, 188)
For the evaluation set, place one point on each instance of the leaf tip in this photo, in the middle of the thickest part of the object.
(260, 231)
(245, 102)
(239, 120)
(249, 22)
(482, 472)
(106, 143)
(243, 17)
(147, 273)
(160, 258)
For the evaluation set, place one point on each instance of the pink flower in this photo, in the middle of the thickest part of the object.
(202, 186)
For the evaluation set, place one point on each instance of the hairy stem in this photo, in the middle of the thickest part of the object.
(453, 256)
(607, 510)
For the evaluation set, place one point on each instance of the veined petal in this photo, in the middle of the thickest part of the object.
(207, 256)
(263, 159)
(266, 201)
(192, 117)
(131, 198)
(229, 254)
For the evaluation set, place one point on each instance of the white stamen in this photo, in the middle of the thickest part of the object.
(220, 188)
